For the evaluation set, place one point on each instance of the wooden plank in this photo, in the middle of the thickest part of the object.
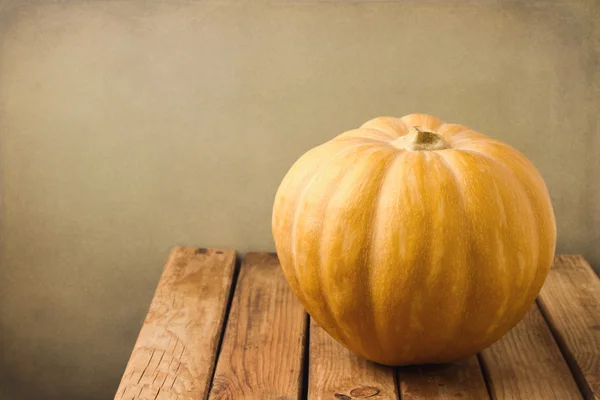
(336, 373)
(527, 364)
(262, 352)
(462, 379)
(175, 352)
(570, 301)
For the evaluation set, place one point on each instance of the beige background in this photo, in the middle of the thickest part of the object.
(128, 127)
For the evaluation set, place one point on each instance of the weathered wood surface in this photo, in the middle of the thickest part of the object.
(527, 364)
(269, 352)
(176, 350)
(335, 373)
(570, 301)
(459, 380)
(263, 348)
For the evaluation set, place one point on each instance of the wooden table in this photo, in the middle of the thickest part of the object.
(220, 330)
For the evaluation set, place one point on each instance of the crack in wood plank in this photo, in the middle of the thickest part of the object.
(184, 323)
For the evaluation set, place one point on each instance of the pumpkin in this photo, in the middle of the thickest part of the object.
(414, 241)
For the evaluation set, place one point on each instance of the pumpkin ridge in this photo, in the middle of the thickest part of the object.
(387, 254)
(420, 259)
(460, 165)
(501, 254)
(508, 313)
(310, 182)
(395, 158)
(326, 300)
(530, 198)
(299, 203)
(361, 174)
(283, 206)
(468, 282)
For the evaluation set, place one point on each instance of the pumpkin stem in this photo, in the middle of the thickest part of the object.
(419, 138)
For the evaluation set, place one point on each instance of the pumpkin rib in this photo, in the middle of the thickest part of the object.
(434, 352)
(282, 207)
(509, 174)
(495, 291)
(312, 180)
(527, 167)
(329, 325)
(299, 203)
(360, 174)
(332, 319)
(425, 277)
(470, 296)
(501, 254)
(469, 244)
(390, 164)
(391, 290)
(374, 208)
(535, 234)
(414, 275)
(532, 201)
(367, 272)
(435, 290)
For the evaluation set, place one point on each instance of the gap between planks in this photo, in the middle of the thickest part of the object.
(263, 345)
(234, 279)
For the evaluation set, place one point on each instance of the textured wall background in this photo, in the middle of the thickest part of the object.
(128, 127)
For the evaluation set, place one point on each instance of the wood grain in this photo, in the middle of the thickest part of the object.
(527, 364)
(570, 301)
(337, 374)
(175, 353)
(262, 351)
(458, 380)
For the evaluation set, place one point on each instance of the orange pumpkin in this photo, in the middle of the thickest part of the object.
(414, 241)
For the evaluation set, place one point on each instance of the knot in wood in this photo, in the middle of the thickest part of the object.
(363, 392)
